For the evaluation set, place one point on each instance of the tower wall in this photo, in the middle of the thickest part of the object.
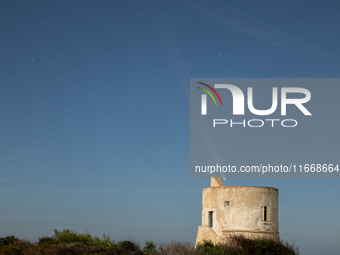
(248, 210)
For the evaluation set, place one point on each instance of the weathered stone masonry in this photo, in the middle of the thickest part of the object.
(248, 210)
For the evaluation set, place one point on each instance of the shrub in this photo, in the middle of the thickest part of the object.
(46, 240)
(71, 242)
(69, 236)
(239, 244)
(149, 248)
(128, 247)
(272, 247)
(176, 248)
(105, 242)
(243, 244)
(210, 248)
(7, 240)
(11, 245)
(10, 249)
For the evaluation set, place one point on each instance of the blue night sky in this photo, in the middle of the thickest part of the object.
(94, 110)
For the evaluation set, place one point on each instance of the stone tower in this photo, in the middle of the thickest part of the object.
(248, 210)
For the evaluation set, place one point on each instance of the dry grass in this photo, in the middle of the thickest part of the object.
(176, 248)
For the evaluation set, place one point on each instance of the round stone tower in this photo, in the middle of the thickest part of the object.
(248, 210)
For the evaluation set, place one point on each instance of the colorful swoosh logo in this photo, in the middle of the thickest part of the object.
(208, 92)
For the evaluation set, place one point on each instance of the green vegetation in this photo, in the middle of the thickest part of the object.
(72, 243)
(240, 245)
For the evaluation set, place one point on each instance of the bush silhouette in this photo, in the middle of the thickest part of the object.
(128, 247)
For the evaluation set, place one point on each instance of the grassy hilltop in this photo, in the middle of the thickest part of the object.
(68, 242)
